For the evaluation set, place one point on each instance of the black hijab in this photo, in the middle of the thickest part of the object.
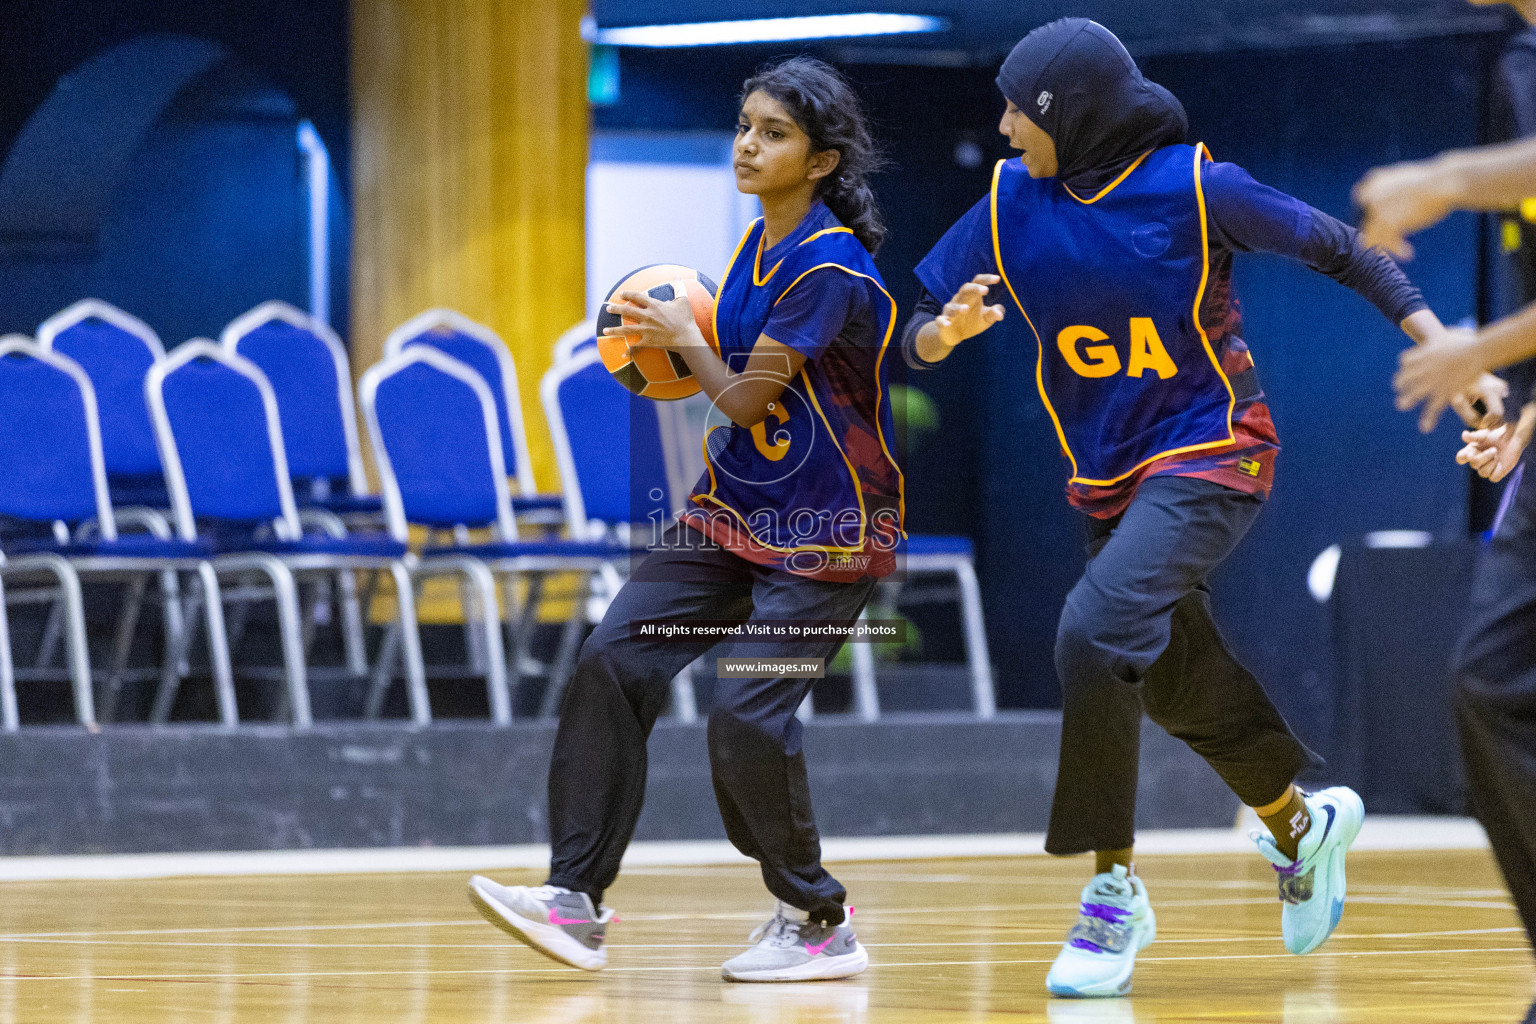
(1076, 81)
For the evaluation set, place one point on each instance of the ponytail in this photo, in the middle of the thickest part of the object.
(827, 109)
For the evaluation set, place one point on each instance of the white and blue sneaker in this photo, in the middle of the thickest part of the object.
(1116, 922)
(1312, 885)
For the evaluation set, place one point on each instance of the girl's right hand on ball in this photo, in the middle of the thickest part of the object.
(967, 314)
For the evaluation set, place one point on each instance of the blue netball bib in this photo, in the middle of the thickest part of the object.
(1111, 288)
(810, 479)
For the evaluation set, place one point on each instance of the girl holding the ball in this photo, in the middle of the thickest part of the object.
(1113, 240)
(796, 518)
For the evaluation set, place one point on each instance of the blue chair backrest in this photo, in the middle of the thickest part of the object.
(116, 352)
(51, 465)
(310, 379)
(610, 440)
(220, 436)
(479, 348)
(433, 424)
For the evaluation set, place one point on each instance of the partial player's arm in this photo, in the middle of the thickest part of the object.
(746, 397)
(1250, 217)
(1435, 372)
(1400, 199)
(1494, 452)
(960, 265)
(964, 316)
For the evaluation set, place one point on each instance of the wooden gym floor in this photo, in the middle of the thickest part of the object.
(1426, 937)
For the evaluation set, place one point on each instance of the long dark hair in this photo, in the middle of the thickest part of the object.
(827, 109)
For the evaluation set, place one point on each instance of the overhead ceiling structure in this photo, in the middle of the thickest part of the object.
(973, 31)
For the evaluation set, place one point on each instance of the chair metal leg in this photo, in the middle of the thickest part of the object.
(410, 645)
(218, 646)
(309, 618)
(53, 632)
(286, 593)
(175, 621)
(983, 694)
(484, 584)
(866, 698)
(179, 656)
(73, 604)
(383, 671)
(564, 662)
(474, 646)
(10, 719)
(173, 626)
(352, 624)
(122, 643)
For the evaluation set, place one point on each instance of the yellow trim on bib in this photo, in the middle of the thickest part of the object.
(815, 403)
(1107, 189)
(1205, 270)
(757, 265)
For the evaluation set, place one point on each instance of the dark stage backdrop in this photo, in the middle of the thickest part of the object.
(207, 215)
(1309, 122)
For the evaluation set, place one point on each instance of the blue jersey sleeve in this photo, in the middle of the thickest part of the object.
(1244, 215)
(813, 312)
(963, 252)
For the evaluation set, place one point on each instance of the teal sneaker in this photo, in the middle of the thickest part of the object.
(1312, 885)
(1115, 923)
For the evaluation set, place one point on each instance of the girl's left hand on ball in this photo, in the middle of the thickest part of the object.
(657, 324)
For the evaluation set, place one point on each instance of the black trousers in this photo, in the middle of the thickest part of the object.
(1495, 697)
(1137, 633)
(597, 776)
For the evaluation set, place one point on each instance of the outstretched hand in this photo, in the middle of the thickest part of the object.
(967, 314)
(1494, 453)
(1448, 370)
(1398, 200)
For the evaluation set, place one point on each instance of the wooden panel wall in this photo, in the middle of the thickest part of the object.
(469, 157)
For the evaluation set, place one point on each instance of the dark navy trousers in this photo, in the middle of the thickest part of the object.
(1495, 697)
(621, 684)
(1137, 634)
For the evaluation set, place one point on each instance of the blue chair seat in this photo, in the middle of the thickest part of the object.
(938, 544)
(139, 490)
(537, 502)
(343, 503)
(534, 549)
(365, 546)
(133, 545)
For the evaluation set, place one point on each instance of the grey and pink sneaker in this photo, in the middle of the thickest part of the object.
(790, 947)
(561, 924)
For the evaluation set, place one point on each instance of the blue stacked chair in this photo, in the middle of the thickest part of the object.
(307, 366)
(54, 466)
(614, 451)
(116, 350)
(221, 442)
(481, 348)
(437, 438)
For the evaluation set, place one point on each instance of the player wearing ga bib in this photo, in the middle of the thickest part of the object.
(1111, 239)
(813, 489)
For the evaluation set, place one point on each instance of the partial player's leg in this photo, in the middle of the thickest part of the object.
(1117, 624)
(1200, 693)
(764, 796)
(1496, 698)
(597, 774)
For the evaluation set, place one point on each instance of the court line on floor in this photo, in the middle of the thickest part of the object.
(228, 975)
(1379, 833)
(875, 915)
(207, 944)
